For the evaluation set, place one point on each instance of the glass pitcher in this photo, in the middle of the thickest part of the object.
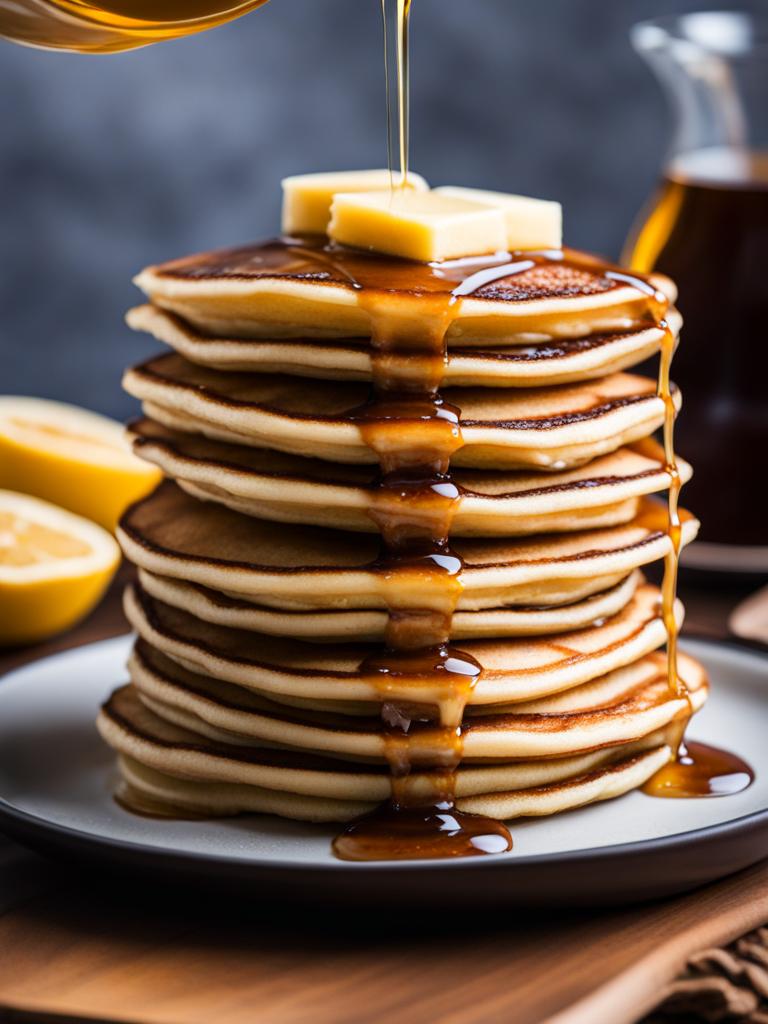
(707, 227)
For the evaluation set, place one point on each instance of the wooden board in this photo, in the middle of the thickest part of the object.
(159, 959)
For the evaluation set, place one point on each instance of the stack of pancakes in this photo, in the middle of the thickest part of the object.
(263, 599)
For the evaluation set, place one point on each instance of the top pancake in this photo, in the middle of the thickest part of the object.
(560, 361)
(304, 287)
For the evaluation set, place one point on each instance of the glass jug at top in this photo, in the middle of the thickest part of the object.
(707, 227)
(105, 26)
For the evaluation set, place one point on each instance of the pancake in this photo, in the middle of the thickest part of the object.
(555, 362)
(309, 568)
(371, 624)
(300, 288)
(292, 489)
(181, 797)
(549, 428)
(181, 769)
(159, 795)
(512, 669)
(622, 707)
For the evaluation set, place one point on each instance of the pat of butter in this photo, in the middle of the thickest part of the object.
(530, 223)
(421, 226)
(307, 197)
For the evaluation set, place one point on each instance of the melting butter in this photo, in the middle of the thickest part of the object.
(420, 226)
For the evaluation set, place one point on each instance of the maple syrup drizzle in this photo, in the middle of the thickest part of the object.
(414, 433)
(674, 527)
(387, 89)
(403, 89)
(696, 769)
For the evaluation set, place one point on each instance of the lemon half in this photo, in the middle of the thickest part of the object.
(75, 458)
(54, 567)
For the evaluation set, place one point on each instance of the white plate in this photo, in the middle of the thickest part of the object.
(57, 778)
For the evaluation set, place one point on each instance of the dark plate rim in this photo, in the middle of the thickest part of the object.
(20, 824)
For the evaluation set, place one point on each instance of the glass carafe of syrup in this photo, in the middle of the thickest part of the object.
(707, 228)
(106, 26)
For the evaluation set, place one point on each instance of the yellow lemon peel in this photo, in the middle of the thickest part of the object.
(54, 568)
(74, 458)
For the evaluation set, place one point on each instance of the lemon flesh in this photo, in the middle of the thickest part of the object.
(74, 458)
(54, 568)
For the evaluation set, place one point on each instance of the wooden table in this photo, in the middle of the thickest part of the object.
(74, 947)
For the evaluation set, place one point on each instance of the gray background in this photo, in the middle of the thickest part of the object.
(109, 163)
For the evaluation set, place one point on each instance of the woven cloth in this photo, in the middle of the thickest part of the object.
(728, 985)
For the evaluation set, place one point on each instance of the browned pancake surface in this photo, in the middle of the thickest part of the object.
(311, 259)
(171, 522)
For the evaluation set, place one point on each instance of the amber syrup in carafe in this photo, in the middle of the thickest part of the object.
(708, 230)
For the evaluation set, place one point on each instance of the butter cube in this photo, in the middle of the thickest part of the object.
(307, 197)
(421, 226)
(530, 223)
